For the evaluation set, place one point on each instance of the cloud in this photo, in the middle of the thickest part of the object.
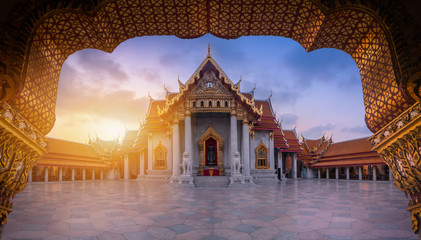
(289, 120)
(150, 75)
(330, 65)
(357, 129)
(101, 64)
(317, 131)
(78, 98)
(170, 59)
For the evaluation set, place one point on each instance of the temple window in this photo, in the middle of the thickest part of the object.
(226, 103)
(201, 103)
(194, 103)
(210, 103)
(160, 157)
(262, 156)
(218, 104)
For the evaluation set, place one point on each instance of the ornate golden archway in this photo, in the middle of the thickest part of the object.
(211, 133)
(39, 35)
(354, 28)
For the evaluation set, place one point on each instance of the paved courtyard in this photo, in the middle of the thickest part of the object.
(300, 209)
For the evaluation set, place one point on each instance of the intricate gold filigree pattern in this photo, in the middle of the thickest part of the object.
(16, 161)
(399, 144)
(416, 218)
(353, 31)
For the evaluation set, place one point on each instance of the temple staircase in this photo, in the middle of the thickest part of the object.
(211, 182)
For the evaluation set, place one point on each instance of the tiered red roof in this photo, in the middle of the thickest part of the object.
(63, 153)
(209, 64)
(350, 153)
(314, 149)
(267, 120)
(292, 141)
(129, 141)
(153, 121)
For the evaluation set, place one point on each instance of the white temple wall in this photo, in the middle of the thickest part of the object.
(162, 137)
(254, 142)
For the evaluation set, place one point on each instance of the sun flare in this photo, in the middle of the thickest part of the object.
(109, 130)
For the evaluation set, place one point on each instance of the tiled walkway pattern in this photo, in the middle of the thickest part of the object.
(300, 209)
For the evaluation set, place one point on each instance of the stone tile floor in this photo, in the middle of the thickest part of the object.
(297, 209)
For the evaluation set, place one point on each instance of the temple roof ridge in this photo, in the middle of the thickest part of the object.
(235, 88)
(354, 139)
(270, 105)
(251, 91)
(70, 141)
(210, 59)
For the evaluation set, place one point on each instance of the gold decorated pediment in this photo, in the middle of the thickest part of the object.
(211, 132)
(209, 85)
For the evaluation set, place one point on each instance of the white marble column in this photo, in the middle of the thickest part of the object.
(93, 174)
(319, 173)
(102, 174)
(280, 163)
(111, 175)
(46, 174)
(246, 148)
(336, 173)
(374, 172)
(73, 174)
(126, 166)
(309, 172)
(30, 175)
(360, 173)
(176, 149)
(187, 135)
(271, 152)
(327, 173)
(294, 166)
(84, 174)
(347, 173)
(150, 151)
(141, 165)
(60, 174)
(233, 138)
(391, 175)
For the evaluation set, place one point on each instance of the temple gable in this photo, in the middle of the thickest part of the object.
(209, 85)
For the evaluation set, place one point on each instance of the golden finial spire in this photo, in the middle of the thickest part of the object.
(209, 51)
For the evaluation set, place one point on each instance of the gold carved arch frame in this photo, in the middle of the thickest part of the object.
(351, 29)
(211, 133)
(32, 57)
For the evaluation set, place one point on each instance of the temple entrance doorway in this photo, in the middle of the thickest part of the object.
(211, 161)
(211, 147)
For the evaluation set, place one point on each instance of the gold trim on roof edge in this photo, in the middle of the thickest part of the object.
(184, 87)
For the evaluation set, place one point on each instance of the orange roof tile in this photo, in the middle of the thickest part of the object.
(349, 153)
(349, 147)
(70, 154)
(292, 140)
(313, 143)
(59, 146)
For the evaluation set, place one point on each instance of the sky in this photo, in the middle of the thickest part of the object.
(104, 94)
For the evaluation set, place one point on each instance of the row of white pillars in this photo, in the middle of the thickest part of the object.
(60, 176)
(360, 176)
